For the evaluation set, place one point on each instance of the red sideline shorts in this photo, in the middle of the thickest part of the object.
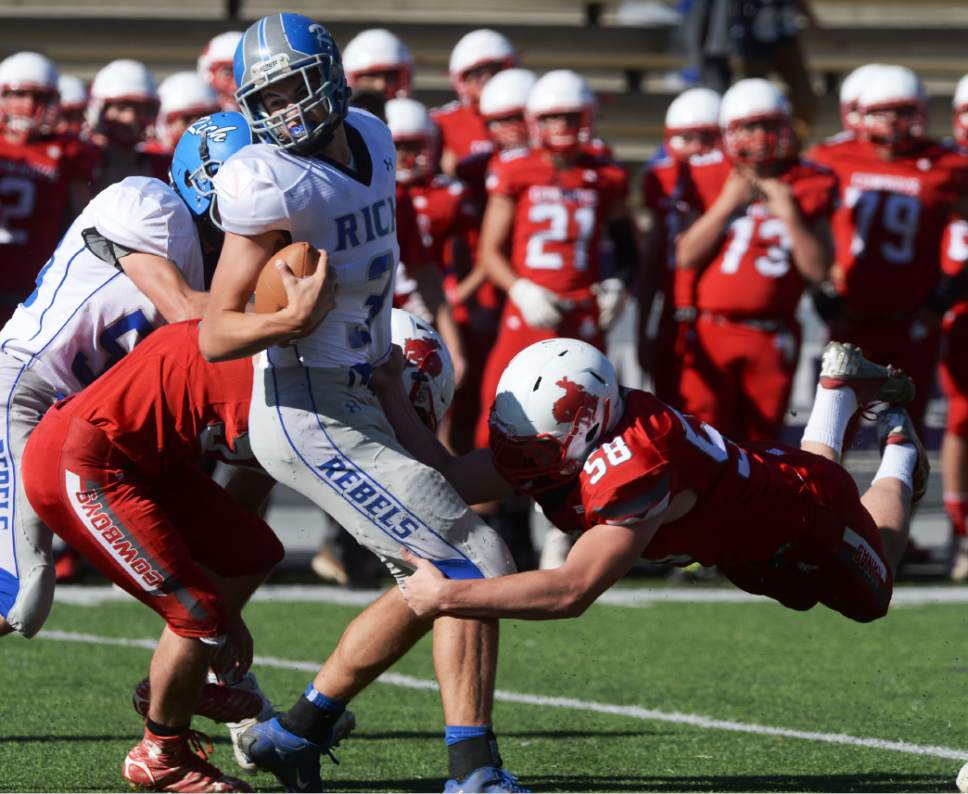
(150, 536)
(838, 560)
(954, 370)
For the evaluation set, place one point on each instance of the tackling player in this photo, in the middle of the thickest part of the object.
(669, 193)
(763, 234)
(542, 230)
(132, 260)
(45, 174)
(898, 188)
(475, 59)
(636, 478)
(326, 175)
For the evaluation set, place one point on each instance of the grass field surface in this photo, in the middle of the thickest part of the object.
(660, 696)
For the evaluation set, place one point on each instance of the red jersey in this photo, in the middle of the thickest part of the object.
(743, 492)
(559, 214)
(954, 259)
(669, 193)
(35, 180)
(462, 129)
(164, 406)
(445, 210)
(889, 225)
(753, 273)
(413, 248)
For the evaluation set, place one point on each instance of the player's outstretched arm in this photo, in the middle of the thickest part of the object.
(162, 283)
(473, 476)
(228, 332)
(599, 558)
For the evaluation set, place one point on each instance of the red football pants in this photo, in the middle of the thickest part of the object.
(954, 371)
(514, 336)
(153, 537)
(739, 378)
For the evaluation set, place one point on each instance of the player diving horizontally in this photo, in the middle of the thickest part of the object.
(325, 174)
(639, 479)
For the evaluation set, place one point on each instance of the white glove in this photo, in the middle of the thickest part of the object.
(611, 295)
(538, 306)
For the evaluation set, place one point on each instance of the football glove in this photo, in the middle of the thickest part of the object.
(538, 306)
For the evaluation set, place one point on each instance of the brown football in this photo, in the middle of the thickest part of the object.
(270, 295)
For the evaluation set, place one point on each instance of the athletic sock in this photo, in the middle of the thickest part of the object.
(956, 506)
(898, 461)
(313, 716)
(829, 417)
(164, 731)
(470, 747)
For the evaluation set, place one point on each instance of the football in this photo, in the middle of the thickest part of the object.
(270, 295)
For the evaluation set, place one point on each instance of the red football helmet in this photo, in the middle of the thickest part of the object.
(692, 123)
(755, 122)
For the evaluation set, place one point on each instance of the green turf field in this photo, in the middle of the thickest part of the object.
(66, 720)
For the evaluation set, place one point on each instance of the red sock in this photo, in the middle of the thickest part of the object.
(956, 506)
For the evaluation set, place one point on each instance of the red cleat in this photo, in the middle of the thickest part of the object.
(217, 702)
(176, 763)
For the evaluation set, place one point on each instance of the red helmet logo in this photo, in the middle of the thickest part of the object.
(424, 354)
(576, 400)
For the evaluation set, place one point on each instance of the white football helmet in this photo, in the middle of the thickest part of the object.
(379, 51)
(184, 97)
(694, 113)
(756, 101)
(558, 92)
(503, 102)
(35, 74)
(123, 80)
(475, 49)
(428, 374)
(960, 108)
(73, 92)
(850, 92)
(409, 122)
(215, 66)
(893, 108)
(554, 402)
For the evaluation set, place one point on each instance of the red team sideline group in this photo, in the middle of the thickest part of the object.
(506, 225)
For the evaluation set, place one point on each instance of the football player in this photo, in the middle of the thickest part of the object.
(71, 105)
(542, 229)
(668, 192)
(183, 98)
(215, 67)
(122, 108)
(326, 174)
(898, 189)
(762, 235)
(132, 260)
(45, 174)
(376, 60)
(475, 59)
(636, 478)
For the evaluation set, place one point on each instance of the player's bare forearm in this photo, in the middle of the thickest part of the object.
(470, 285)
(698, 244)
(811, 247)
(227, 334)
(495, 232)
(161, 281)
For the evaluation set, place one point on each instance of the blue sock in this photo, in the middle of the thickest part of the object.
(461, 733)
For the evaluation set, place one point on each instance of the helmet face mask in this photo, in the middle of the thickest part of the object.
(28, 111)
(692, 123)
(389, 82)
(510, 131)
(414, 159)
(760, 141)
(686, 143)
(896, 127)
(562, 132)
(291, 84)
(125, 122)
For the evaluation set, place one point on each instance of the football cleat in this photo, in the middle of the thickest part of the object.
(962, 780)
(843, 365)
(894, 426)
(217, 702)
(485, 778)
(176, 763)
(292, 759)
(959, 565)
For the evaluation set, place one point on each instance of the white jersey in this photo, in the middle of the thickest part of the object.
(349, 213)
(85, 313)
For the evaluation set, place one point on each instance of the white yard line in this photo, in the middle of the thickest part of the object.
(79, 595)
(573, 704)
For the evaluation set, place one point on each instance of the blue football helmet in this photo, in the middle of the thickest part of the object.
(200, 152)
(280, 46)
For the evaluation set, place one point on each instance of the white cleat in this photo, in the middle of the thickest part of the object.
(962, 780)
(843, 365)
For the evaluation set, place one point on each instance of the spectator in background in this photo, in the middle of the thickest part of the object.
(46, 175)
(764, 35)
(72, 106)
(123, 106)
(475, 59)
(215, 67)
